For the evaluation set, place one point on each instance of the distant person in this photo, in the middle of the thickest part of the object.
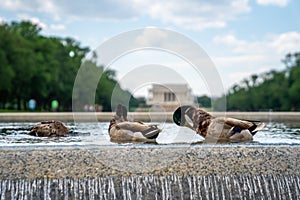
(98, 108)
(54, 105)
(86, 108)
(32, 104)
(91, 108)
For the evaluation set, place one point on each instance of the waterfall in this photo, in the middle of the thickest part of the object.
(155, 187)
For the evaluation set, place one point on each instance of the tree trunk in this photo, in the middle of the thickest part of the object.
(19, 104)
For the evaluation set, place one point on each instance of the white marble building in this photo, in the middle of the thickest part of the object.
(170, 96)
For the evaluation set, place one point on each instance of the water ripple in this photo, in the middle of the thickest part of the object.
(15, 134)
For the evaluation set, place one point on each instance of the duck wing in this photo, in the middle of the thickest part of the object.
(152, 132)
(239, 125)
(148, 131)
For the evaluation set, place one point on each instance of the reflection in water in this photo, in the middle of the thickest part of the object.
(15, 134)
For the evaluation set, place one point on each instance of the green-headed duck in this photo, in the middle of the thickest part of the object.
(216, 128)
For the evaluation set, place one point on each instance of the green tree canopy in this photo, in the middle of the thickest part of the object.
(43, 68)
(274, 90)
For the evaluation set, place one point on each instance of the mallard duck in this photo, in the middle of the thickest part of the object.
(216, 128)
(122, 130)
(49, 128)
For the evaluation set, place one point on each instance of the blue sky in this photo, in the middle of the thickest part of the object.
(242, 37)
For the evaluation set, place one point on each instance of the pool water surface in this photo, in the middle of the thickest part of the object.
(15, 134)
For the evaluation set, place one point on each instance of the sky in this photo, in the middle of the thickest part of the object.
(239, 37)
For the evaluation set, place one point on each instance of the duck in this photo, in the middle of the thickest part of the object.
(49, 129)
(121, 130)
(216, 128)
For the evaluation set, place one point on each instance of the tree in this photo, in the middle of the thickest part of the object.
(294, 86)
(276, 90)
(7, 73)
(45, 68)
(204, 101)
(254, 79)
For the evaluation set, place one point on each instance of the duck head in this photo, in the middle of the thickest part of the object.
(183, 116)
(121, 112)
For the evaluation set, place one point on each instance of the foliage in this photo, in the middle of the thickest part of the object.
(204, 101)
(43, 68)
(33, 66)
(278, 91)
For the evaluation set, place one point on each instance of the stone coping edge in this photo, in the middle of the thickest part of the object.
(292, 117)
(80, 162)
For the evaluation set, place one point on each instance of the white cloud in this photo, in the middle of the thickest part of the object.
(287, 43)
(189, 14)
(280, 3)
(151, 37)
(33, 20)
(230, 40)
(47, 6)
(277, 44)
(2, 21)
(195, 15)
(253, 57)
(13, 5)
(42, 25)
(57, 27)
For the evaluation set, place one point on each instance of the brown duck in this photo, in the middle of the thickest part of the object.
(122, 130)
(216, 128)
(49, 128)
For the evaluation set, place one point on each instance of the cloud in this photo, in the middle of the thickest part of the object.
(33, 20)
(280, 3)
(57, 27)
(280, 44)
(47, 6)
(13, 5)
(195, 15)
(151, 37)
(189, 14)
(2, 21)
(37, 21)
(73, 10)
(287, 43)
(253, 57)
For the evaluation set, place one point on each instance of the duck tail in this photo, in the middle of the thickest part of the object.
(152, 132)
(256, 127)
(252, 128)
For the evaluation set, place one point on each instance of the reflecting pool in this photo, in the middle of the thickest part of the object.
(15, 134)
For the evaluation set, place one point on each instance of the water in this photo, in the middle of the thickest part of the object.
(15, 134)
(148, 186)
(156, 187)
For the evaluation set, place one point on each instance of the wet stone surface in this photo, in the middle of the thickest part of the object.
(99, 161)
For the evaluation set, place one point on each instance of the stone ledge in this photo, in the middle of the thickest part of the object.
(289, 117)
(99, 161)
